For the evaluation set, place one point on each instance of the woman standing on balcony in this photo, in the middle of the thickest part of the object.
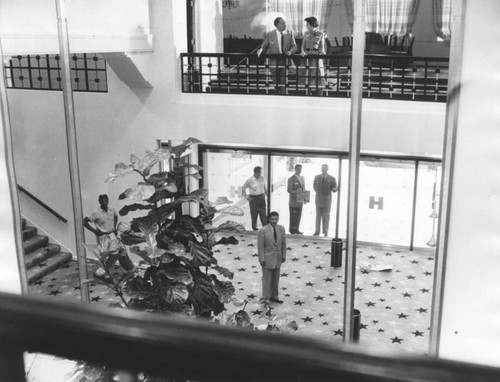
(313, 44)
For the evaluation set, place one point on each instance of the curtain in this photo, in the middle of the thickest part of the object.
(387, 17)
(295, 11)
(441, 17)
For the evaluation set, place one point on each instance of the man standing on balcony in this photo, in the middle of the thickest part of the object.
(257, 190)
(324, 185)
(296, 187)
(279, 41)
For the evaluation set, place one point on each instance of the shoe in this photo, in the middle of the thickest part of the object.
(299, 233)
(277, 301)
(255, 229)
(316, 234)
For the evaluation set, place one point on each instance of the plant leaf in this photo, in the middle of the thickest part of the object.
(201, 255)
(150, 159)
(222, 200)
(231, 210)
(134, 207)
(143, 254)
(224, 271)
(142, 191)
(231, 226)
(132, 238)
(223, 289)
(180, 275)
(120, 170)
(177, 295)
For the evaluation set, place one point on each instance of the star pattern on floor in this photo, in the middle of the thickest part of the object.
(394, 305)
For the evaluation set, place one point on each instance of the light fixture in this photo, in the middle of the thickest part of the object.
(230, 4)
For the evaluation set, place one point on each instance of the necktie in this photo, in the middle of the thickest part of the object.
(323, 179)
(282, 43)
(275, 234)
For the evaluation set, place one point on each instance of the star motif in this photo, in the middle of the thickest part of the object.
(54, 292)
(325, 323)
(241, 269)
(256, 312)
(396, 339)
(295, 259)
(304, 246)
(39, 282)
(369, 303)
(76, 288)
(430, 258)
(237, 258)
(41, 265)
(318, 298)
(388, 254)
(402, 315)
(422, 310)
(50, 285)
(388, 307)
(423, 290)
(381, 330)
(338, 332)
(375, 285)
(288, 248)
(284, 274)
(363, 326)
(427, 273)
(309, 284)
(358, 289)
(255, 255)
(406, 294)
(382, 299)
(53, 279)
(414, 262)
(375, 321)
(298, 302)
(307, 319)
(321, 314)
(328, 280)
(319, 267)
(417, 333)
(371, 257)
(364, 272)
(96, 298)
(251, 245)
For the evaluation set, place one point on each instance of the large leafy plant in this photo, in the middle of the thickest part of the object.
(181, 273)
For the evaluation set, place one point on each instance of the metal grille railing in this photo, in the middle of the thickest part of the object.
(400, 77)
(44, 72)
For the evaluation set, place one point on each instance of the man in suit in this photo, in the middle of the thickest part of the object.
(296, 187)
(271, 243)
(279, 41)
(324, 185)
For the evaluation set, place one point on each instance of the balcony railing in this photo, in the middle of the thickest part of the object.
(400, 77)
(195, 350)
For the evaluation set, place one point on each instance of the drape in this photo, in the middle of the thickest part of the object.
(387, 17)
(295, 11)
(441, 17)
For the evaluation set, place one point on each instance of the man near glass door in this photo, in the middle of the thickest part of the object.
(257, 190)
(324, 185)
(296, 187)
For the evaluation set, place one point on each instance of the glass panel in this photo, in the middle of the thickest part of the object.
(344, 194)
(282, 168)
(427, 207)
(224, 176)
(385, 201)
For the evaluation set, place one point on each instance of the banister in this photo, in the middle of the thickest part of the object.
(187, 348)
(53, 212)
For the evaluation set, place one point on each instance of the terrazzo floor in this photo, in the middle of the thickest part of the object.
(394, 304)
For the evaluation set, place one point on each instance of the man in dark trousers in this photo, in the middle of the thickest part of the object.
(324, 185)
(296, 187)
(256, 196)
(271, 243)
(279, 41)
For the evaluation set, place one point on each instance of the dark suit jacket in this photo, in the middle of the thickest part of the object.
(296, 188)
(271, 252)
(324, 189)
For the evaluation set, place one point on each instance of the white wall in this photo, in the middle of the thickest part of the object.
(471, 307)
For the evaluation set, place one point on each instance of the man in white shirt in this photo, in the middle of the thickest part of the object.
(104, 221)
(256, 196)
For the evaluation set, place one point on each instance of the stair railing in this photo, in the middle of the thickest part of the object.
(52, 211)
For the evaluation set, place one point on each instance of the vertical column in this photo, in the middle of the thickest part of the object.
(354, 149)
(451, 122)
(74, 170)
(12, 182)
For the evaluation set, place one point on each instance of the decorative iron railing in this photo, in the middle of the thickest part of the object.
(401, 77)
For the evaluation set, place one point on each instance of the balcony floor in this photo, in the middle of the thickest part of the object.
(394, 305)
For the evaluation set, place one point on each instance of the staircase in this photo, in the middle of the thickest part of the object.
(41, 257)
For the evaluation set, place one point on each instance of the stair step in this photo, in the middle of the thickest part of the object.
(49, 266)
(29, 232)
(34, 242)
(40, 255)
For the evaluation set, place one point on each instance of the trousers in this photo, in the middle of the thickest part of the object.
(257, 209)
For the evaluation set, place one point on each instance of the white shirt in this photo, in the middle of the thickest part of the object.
(104, 220)
(256, 186)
